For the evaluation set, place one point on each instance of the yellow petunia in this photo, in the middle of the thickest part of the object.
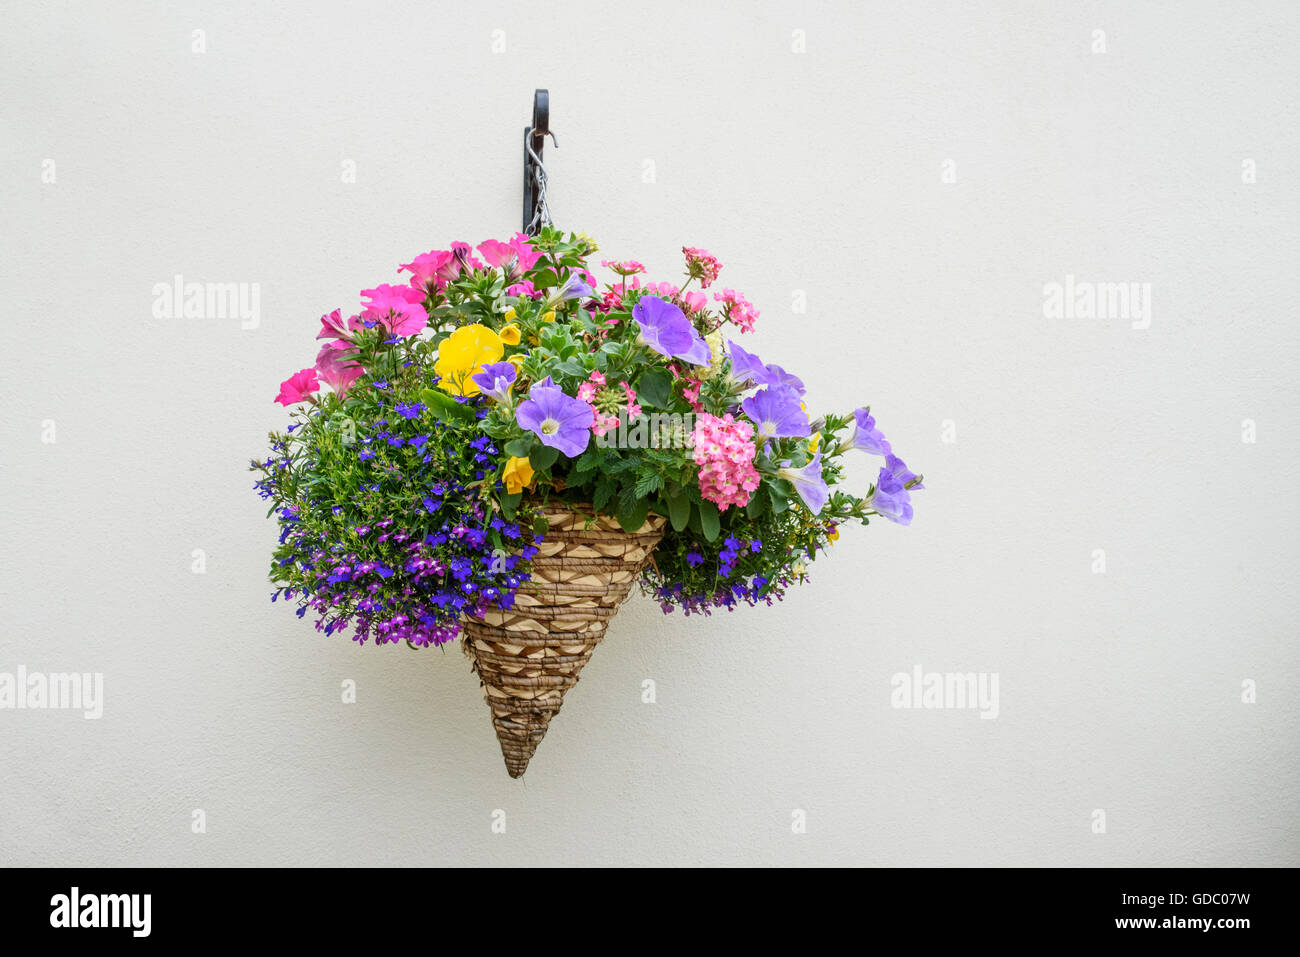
(518, 474)
(510, 334)
(510, 315)
(548, 316)
(462, 354)
(814, 442)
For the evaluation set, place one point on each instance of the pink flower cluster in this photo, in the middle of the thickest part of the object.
(702, 265)
(629, 267)
(738, 309)
(400, 309)
(433, 270)
(595, 394)
(724, 451)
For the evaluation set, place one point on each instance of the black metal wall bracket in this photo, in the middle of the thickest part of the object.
(536, 214)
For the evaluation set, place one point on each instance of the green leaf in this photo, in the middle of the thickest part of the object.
(694, 523)
(540, 525)
(542, 457)
(779, 502)
(648, 482)
(633, 517)
(545, 279)
(679, 511)
(519, 448)
(604, 492)
(709, 524)
(655, 388)
(757, 506)
(446, 408)
(572, 367)
(510, 502)
(588, 461)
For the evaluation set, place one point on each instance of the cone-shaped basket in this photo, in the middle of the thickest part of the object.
(529, 656)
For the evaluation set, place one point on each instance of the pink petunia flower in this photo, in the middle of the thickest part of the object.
(337, 371)
(398, 308)
(297, 387)
(496, 253)
(523, 247)
(432, 269)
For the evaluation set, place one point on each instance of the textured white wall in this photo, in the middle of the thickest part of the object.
(819, 171)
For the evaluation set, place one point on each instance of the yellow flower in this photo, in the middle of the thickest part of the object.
(510, 334)
(548, 316)
(464, 353)
(518, 475)
(833, 535)
(516, 360)
(511, 315)
(814, 442)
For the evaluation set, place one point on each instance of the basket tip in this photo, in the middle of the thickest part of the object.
(516, 769)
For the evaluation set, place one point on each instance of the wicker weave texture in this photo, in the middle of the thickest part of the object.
(527, 657)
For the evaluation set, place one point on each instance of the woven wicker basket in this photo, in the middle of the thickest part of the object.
(529, 656)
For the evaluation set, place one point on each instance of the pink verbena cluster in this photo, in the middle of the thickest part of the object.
(738, 309)
(724, 451)
(628, 267)
(701, 265)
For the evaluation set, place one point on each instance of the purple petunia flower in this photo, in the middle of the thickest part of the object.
(866, 437)
(576, 288)
(747, 368)
(776, 413)
(495, 380)
(666, 330)
(807, 481)
(898, 468)
(778, 378)
(560, 421)
(891, 498)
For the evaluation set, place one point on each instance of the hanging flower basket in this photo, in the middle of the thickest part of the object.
(528, 656)
(511, 441)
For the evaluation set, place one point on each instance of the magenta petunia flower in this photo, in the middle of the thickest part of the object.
(496, 253)
(435, 268)
(776, 413)
(297, 387)
(399, 309)
(528, 256)
(336, 370)
(560, 421)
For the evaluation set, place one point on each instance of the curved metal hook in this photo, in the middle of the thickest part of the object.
(536, 214)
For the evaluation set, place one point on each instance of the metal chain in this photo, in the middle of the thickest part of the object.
(542, 211)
